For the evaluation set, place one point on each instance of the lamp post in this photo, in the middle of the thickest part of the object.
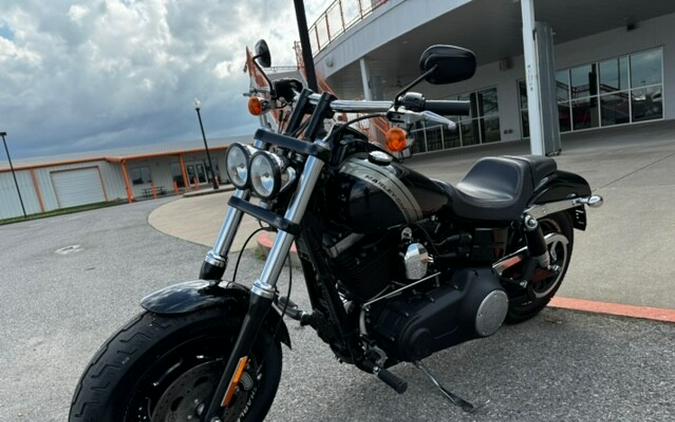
(198, 106)
(306, 46)
(11, 167)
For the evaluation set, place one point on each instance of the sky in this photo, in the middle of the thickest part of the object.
(100, 74)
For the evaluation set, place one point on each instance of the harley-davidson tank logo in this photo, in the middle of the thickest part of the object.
(386, 181)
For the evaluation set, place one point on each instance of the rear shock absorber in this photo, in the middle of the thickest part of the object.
(536, 243)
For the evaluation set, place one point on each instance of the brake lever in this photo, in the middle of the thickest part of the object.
(430, 116)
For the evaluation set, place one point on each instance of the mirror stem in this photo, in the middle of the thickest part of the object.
(412, 84)
(269, 81)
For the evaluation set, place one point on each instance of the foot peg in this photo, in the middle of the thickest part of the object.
(391, 380)
(452, 398)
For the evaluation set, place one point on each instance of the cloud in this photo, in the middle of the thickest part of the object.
(109, 73)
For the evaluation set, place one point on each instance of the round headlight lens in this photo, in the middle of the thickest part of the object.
(265, 174)
(237, 165)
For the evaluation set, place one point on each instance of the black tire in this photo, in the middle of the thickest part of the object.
(152, 357)
(521, 304)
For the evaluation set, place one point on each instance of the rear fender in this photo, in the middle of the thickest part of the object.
(192, 296)
(562, 185)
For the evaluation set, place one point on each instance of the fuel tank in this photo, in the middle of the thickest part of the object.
(371, 196)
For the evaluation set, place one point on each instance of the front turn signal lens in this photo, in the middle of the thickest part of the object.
(256, 106)
(397, 139)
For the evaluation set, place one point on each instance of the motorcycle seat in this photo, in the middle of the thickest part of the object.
(499, 188)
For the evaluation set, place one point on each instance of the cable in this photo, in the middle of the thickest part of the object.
(241, 252)
(288, 293)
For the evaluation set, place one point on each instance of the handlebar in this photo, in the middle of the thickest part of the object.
(442, 107)
(448, 107)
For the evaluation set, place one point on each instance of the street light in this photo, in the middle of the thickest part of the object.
(198, 106)
(11, 167)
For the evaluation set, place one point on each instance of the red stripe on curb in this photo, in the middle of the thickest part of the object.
(266, 241)
(642, 312)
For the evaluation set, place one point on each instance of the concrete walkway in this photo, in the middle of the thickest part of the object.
(624, 257)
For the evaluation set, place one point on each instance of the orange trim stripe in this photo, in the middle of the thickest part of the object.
(127, 184)
(112, 159)
(38, 191)
(631, 311)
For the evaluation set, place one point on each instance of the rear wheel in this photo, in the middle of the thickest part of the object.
(526, 303)
(166, 368)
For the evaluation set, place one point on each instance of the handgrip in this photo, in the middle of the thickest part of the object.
(392, 380)
(448, 107)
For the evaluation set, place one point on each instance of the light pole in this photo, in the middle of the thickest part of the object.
(11, 167)
(198, 106)
(306, 46)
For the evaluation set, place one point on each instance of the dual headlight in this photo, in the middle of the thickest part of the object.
(265, 173)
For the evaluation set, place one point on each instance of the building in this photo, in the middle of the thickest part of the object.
(614, 60)
(130, 175)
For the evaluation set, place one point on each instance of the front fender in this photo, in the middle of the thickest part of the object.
(192, 296)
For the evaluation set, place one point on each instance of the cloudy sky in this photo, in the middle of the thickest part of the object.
(102, 74)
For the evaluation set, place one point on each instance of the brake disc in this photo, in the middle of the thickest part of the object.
(187, 397)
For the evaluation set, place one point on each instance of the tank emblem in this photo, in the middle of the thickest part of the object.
(386, 181)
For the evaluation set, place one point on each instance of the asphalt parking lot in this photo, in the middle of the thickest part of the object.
(57, 308)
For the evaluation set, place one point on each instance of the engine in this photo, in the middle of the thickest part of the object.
(471, 304)
(431, 307)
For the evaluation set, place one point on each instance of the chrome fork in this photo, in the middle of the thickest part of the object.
(265, 285)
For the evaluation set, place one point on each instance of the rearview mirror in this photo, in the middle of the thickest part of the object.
(262, 54)
(452, 64)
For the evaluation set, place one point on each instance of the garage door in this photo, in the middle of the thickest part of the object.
(78, 187)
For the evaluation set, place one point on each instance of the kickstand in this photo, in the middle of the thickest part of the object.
(454, 399)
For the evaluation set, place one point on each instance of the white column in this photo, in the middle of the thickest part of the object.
(534, 106)
(365, 78)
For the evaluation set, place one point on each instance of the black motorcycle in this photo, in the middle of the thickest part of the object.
(398, 266)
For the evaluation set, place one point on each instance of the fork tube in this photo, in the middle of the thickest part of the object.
(264, 286)
(263, 291)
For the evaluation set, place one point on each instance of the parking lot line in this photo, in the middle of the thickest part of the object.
(642, 312)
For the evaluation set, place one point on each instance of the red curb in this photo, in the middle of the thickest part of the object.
(641, 312)
(266, 240)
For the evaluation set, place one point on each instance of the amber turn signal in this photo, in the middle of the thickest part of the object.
(397, 139)
(256, 106)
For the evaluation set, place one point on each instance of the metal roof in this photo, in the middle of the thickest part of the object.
(126, 153)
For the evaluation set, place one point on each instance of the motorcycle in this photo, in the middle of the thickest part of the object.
(398, 266)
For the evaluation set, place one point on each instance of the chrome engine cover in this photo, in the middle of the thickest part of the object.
(416, 261)
(491, 313)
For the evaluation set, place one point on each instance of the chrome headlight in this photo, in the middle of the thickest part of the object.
(237, 162)
(266, 171)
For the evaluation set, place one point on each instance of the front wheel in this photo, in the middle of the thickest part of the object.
(524, 305)
(166, 368)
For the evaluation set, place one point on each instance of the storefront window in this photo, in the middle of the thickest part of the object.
(140, 175)
(620, 90)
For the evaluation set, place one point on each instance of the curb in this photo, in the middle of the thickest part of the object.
(210, 191)
(615, 309)
(264, 243)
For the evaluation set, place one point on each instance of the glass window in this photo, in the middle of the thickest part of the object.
(451, 137)
(140, 175)
(564, 117)
(434, 141)
(562, 79)
(647, 103)
(585, 113)
(526, 123)
(470, 134)
(522, 88)
(614, 75)
(487, 102)
(645, 68)
(583, 81)
(490, 129)
(614, 109)
(177, 175)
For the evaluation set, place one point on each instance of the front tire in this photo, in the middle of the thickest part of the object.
(164, 368)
